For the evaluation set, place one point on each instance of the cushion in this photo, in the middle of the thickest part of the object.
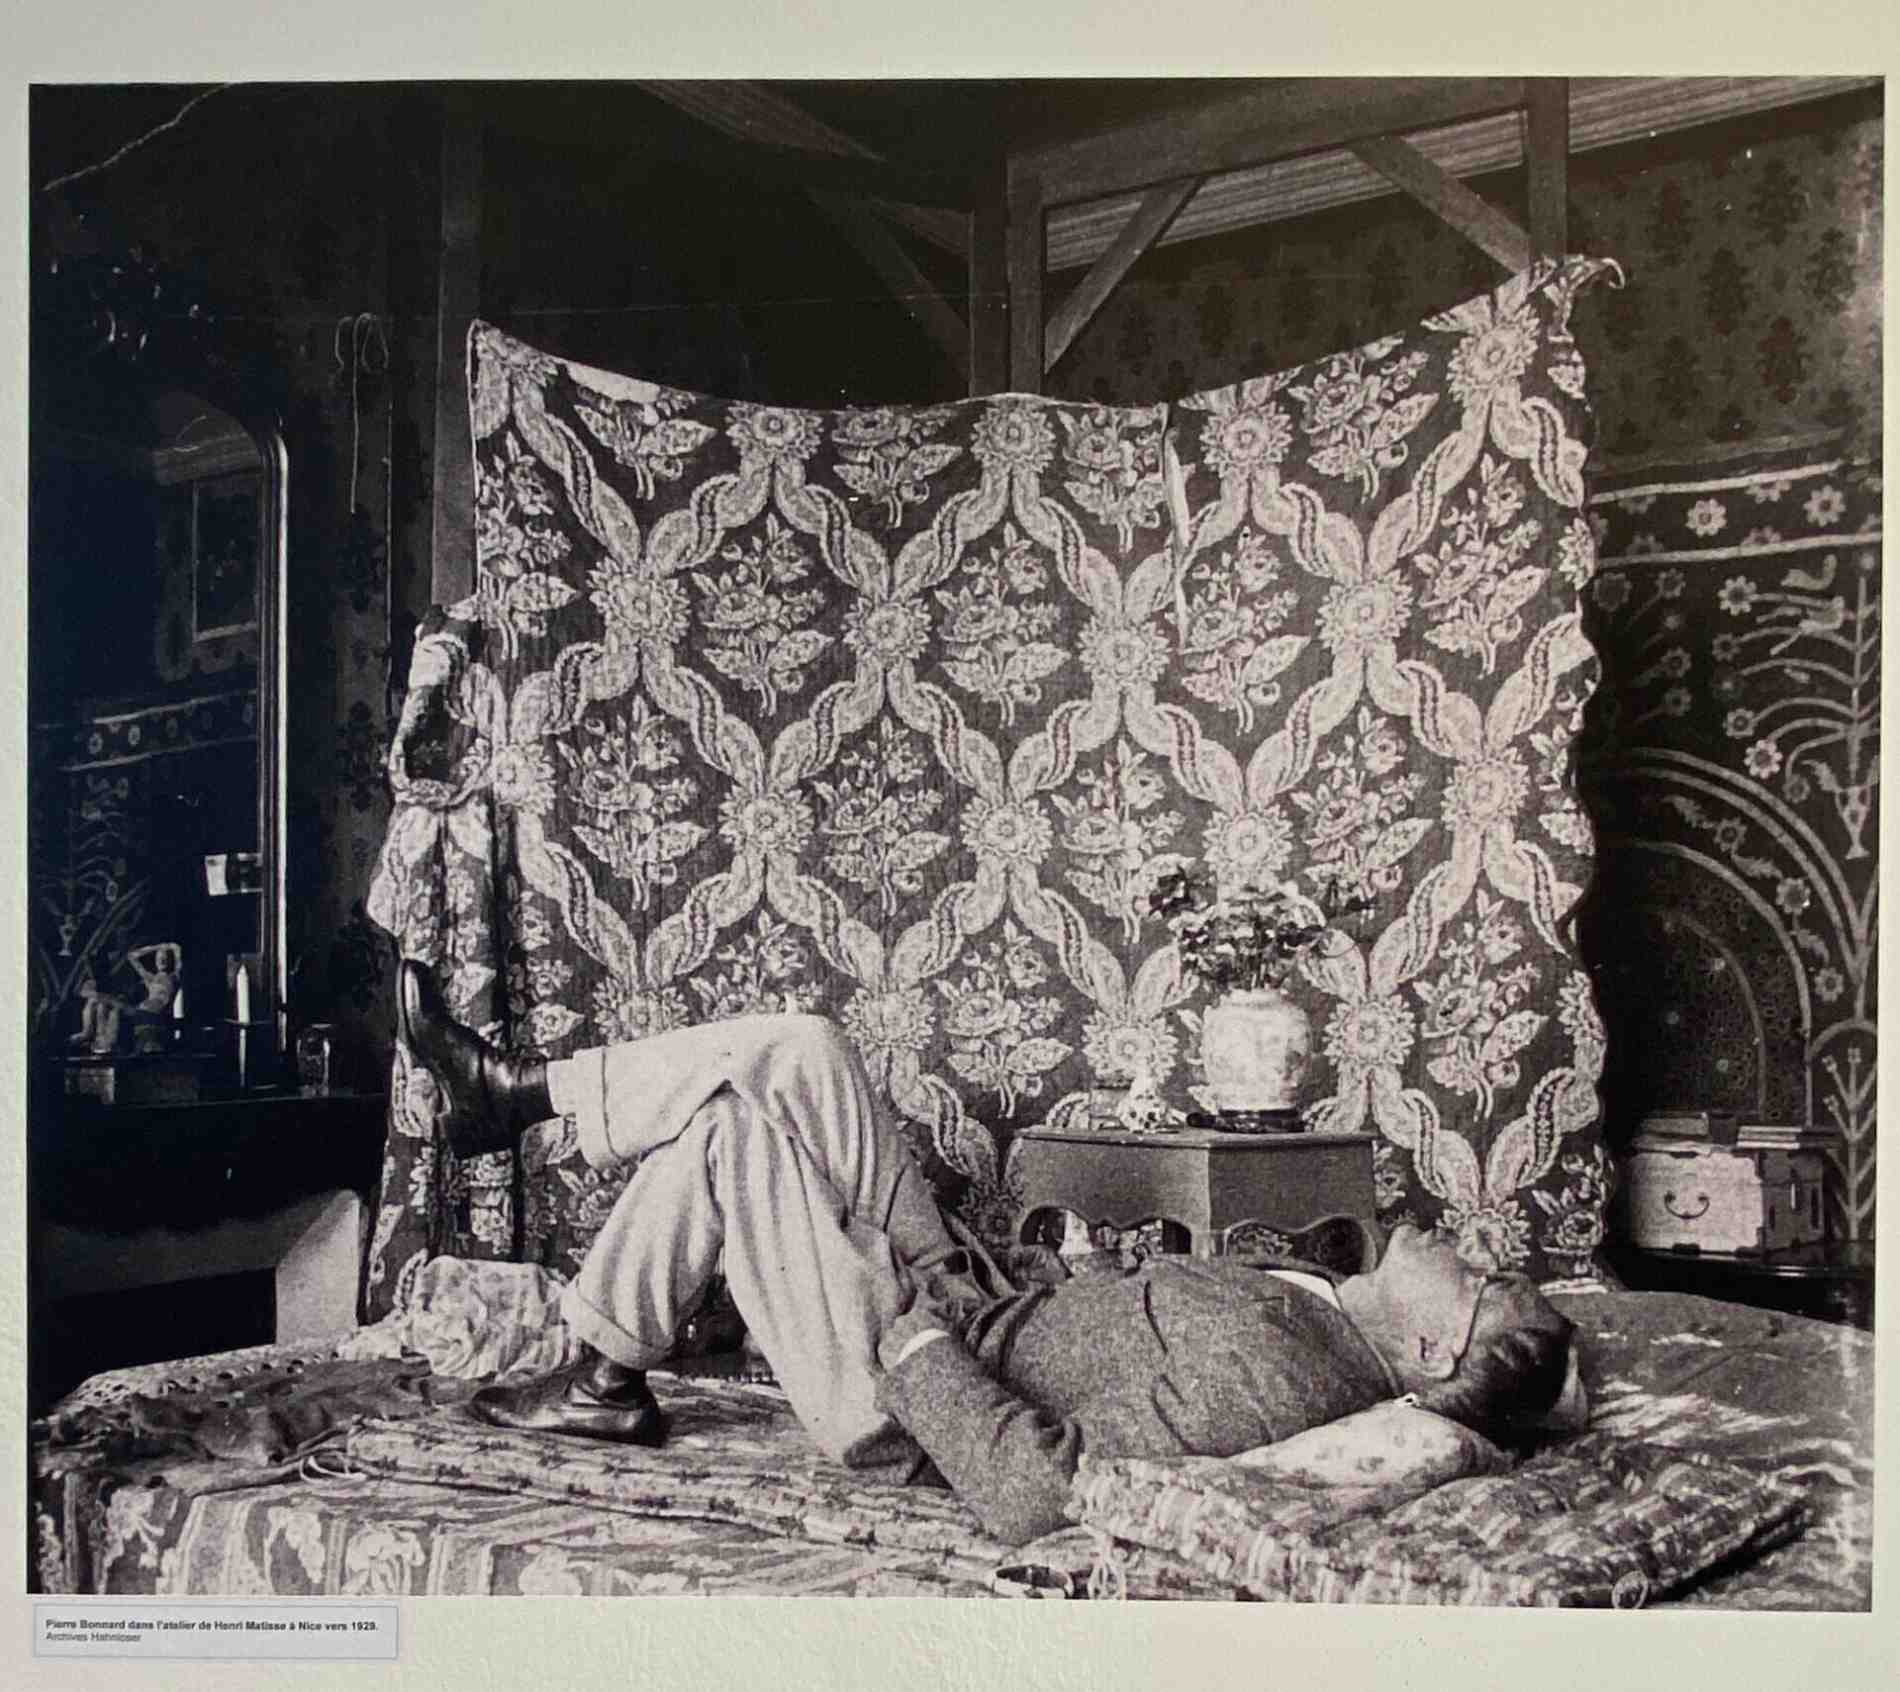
(1392, 1445)
(897, 714)
(1599, 1521)
(470, 1319)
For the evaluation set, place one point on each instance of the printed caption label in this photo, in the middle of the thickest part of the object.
(105, 1628)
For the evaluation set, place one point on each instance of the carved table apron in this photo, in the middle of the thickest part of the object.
(1208, 1182)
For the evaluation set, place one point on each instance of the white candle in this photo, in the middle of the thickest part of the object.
(243, 993)
(178, 1005)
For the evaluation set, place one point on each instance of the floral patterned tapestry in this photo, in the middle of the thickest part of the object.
(897, 713)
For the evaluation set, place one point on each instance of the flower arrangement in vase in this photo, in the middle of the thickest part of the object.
(1243, 943)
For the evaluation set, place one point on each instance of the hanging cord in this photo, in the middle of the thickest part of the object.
(137, 142)
(368, 355)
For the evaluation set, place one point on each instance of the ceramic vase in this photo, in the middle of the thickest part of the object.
(1255, 1045)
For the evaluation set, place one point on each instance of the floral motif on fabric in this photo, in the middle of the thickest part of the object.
(998, 1021)
(1358, 412)
(888, 456)
(995, 626)
(619, 778)
(1117, 829)
(870, 815)
(755, 633)
(1476, 1018)
(1357, 828)
(1113, 463)
(648, 437)
(1479, 580)
(1236, 642)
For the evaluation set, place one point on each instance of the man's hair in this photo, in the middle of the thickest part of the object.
(1513, 1369)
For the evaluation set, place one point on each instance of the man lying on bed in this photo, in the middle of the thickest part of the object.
(761, 1143)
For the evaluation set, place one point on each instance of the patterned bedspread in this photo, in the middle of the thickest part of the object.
(428, 1501)
(1781, 1395)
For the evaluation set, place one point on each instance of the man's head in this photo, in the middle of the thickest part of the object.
(1485, 1349)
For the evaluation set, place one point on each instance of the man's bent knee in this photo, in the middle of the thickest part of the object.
(813, 1040)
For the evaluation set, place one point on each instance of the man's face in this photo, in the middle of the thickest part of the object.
(1429, 1295)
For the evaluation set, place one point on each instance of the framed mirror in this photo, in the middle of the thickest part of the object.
(157, 558)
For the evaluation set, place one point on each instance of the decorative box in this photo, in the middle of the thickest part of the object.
(1745, 1188)
(167, 1078)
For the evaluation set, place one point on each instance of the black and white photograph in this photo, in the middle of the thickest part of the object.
(1103, 839)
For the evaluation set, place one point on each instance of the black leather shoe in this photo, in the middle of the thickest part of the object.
(573, 1401)
(490, 1097)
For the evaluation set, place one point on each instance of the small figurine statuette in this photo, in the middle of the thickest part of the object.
(100, 1016)
(1143, 1109)
(160, 967)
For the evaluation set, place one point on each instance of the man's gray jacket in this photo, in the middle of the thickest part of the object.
(1179, 1357)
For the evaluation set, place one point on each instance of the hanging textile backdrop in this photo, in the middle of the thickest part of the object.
(896, 714)
(1732, 765)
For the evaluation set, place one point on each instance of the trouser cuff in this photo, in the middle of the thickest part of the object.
(577, 1087)
(597, 1329)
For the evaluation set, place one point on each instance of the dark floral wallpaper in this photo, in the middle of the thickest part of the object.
(1752, 310)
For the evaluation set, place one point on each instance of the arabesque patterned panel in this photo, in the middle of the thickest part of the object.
(896, 713)
(1732, 763)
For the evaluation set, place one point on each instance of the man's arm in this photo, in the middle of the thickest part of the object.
(1230, 1374)
(1010, 1462)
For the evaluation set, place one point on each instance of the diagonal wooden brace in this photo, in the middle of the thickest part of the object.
(1474, 217)
(1145, 227)
(899, 272)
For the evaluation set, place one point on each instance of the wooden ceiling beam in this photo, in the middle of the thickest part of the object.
(1151, 218)
(866, 178)
(914, 291)
(757, 115)
(1277, 119)
(940, 226)
(750, 111)
(1473, 216)
(988, 270)
(1603, 112)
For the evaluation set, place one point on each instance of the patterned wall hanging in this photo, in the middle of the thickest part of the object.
(1733, 764)
(895, 714)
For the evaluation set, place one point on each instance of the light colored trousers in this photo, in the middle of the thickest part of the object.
(760, 1139)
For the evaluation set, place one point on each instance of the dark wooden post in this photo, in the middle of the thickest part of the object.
(1026, 248)
(988, 314)
(1547, 152)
